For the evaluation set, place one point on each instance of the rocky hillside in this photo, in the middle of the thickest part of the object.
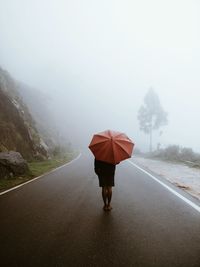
(18, 130)
(39, 105)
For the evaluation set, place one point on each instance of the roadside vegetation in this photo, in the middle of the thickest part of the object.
(37, 168)
(175, 153)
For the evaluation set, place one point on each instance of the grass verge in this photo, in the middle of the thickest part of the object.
(36, 168)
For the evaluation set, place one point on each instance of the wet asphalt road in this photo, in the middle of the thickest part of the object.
(58, 221)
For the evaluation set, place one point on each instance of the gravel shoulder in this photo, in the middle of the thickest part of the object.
(182, 176)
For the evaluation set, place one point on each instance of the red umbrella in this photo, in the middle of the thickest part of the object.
(111, 146)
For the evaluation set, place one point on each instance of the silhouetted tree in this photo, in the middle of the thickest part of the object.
(151, 115)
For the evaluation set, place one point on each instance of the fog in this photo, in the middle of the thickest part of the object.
(97, 60)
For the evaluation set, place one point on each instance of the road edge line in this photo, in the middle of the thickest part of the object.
(38, 177)
(189, 202)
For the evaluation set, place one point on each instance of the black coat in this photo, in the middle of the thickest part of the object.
(105, 169)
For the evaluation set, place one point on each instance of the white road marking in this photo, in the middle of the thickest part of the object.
(189, 202)
(36, 178)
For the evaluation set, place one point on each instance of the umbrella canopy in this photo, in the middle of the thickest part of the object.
(111, 146)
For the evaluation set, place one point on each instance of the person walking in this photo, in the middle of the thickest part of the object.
(106, 174)
(109, 149)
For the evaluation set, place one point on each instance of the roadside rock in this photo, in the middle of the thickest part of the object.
(12, 164)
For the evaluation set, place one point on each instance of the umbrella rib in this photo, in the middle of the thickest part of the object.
(99, 142)
(102, 136)
(121, 147)
(113, 151)
(123, 140)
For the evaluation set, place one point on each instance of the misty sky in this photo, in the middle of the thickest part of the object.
(97, 60)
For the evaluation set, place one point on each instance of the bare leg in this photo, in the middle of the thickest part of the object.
(109, 197)
(104, 196)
